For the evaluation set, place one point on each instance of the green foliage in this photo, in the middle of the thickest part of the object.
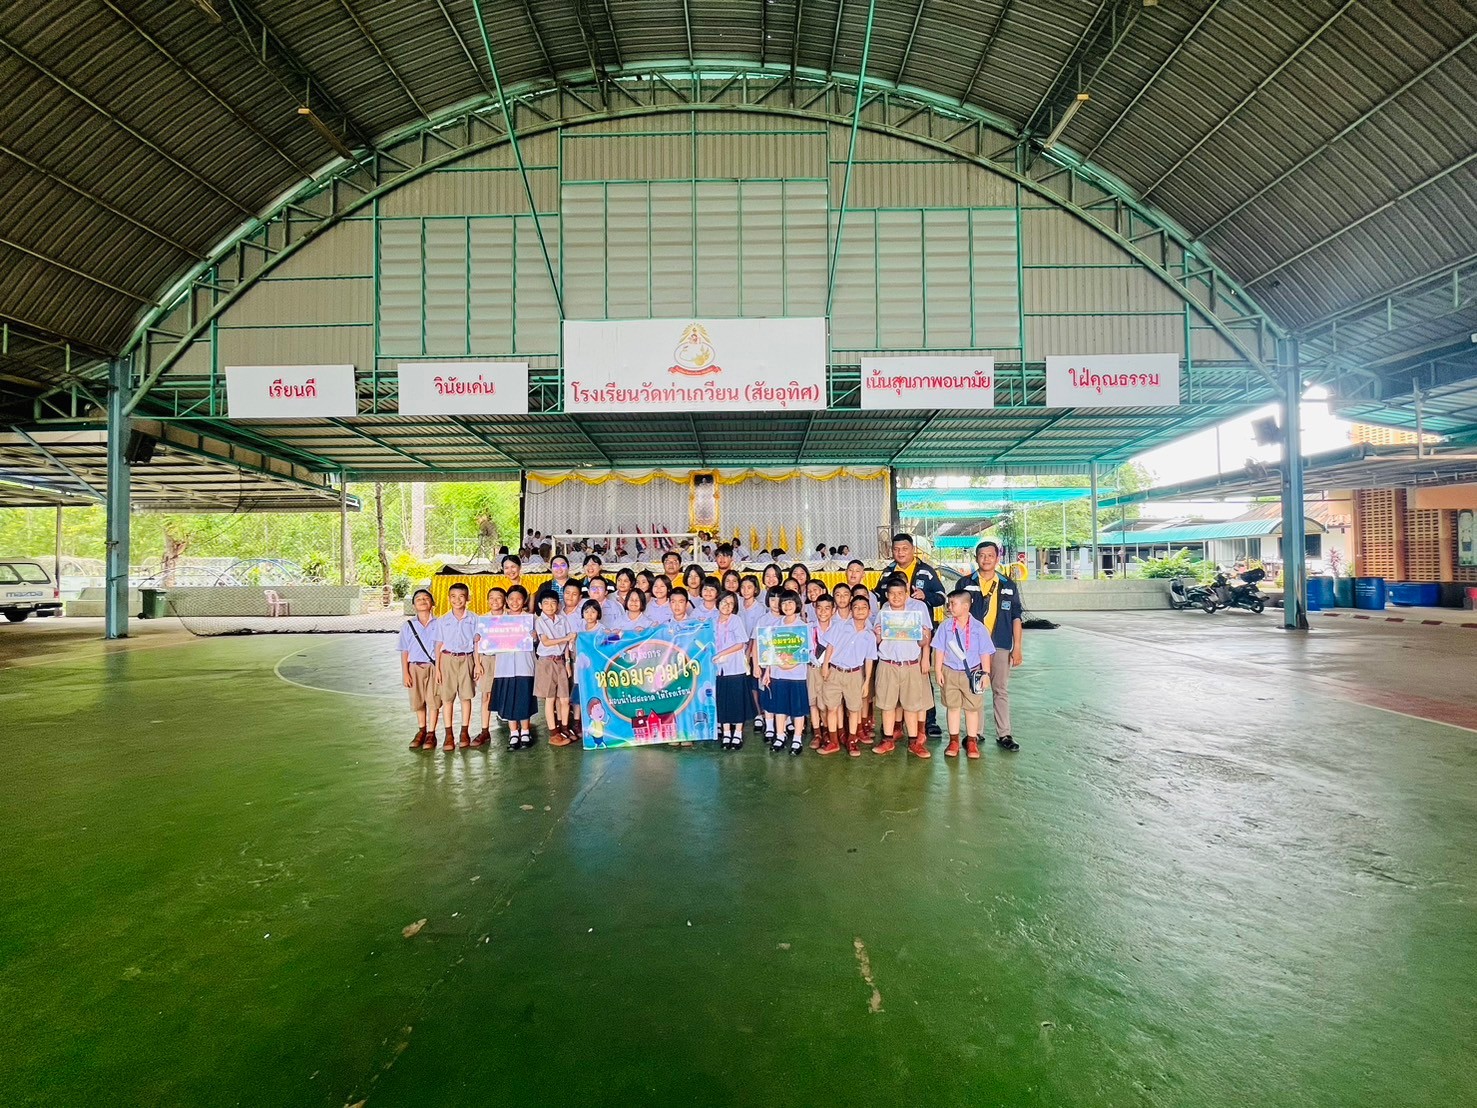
(399, 586)
(407, 565)
(1179, 564)
(1036, 526)
(368, 569)
(317, 566)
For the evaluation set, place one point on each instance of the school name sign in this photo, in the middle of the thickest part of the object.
(682, 365)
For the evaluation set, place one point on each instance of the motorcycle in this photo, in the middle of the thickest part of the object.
(1243, 594)
(1186, 592)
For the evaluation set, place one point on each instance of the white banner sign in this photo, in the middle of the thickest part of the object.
(463, 388)
(928, 382)
(684, 365)
(290, 391)
(1113, 381)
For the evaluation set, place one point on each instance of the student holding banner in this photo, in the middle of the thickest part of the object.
(659, 606)
(634, 618)
(785, 670)
(731, 644)
(903, 628)
(764, 698)
(512, 686)
(551, 669)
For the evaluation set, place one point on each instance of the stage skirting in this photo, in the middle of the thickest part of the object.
(796, 507)
(480, 584)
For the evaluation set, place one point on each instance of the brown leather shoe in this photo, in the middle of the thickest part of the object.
(884, 747)
(466, 739)
(952, 750)
(830, 746)
(450, 743)
(972, 747)
(415, 743)
(919, 747)
(853, 745)
(819, 736)
(483, 737)
(560, 736)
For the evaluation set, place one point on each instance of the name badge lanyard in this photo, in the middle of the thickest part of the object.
(962, 648)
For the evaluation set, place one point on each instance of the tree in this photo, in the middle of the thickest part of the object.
(379, 523)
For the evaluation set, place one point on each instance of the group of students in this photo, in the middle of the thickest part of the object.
(853, 675)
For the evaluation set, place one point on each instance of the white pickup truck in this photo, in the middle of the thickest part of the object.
(26, 587)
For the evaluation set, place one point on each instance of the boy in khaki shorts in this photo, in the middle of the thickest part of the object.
(902, 686)
(553, 637)
(962, 644)
(846, 671)
(418, 646)
(454, 663)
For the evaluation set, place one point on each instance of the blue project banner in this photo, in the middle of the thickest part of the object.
(639, 688)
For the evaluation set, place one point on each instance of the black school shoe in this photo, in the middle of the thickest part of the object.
(1005, 742)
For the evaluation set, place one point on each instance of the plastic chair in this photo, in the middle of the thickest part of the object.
(276, 606)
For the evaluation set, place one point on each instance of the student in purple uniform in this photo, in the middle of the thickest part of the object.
(455, 664)
(634, 618)
(418, 647)
(902, 672)
(846, 673)
(512, 686)
(485, 659)
(822, 622)
(731, 642)
(659, 607)
(961, 644)
(707, 607)
(681, 608)
(730, 582)
(574, 596)
(786, 683)
(644, 581)
(765, 698)
(692, 581)
(750, 608)
(611, 609)
(771, 577)
(553, 636)
(625, 584)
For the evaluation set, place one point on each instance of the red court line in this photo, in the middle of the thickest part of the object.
(1421, 707)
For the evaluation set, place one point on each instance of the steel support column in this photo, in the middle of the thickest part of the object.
(1294, 529)
(856, 120)
(343, 530)
(115, 606)
(1092, 477)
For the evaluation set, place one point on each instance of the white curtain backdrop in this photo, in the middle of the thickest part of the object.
(842, 510)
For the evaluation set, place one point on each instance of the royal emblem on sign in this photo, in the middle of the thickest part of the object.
(694, 355)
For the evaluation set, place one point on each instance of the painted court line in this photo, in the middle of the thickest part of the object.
(277, 669)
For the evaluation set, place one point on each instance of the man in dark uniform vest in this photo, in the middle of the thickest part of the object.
(554, 586)
(995, 600)
(924, 584)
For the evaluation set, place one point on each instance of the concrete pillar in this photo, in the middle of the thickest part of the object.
(115, 600)
(1294, 542)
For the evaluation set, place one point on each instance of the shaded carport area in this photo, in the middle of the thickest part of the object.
(1228, 863)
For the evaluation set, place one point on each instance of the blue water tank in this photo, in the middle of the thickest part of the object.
(1369, 593)
(1343, 589)
(1321, 594)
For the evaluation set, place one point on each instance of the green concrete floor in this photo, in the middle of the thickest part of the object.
(1219, 873)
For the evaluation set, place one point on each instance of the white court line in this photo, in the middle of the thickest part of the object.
(277, 669)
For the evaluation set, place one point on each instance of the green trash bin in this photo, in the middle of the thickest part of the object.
(153, 603)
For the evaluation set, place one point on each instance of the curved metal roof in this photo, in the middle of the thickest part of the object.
(1325, 151)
